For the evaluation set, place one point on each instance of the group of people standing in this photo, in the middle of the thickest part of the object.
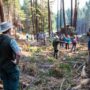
(65, 41)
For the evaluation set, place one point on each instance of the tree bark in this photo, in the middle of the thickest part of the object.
(64, 14)
(1, 11)
(36, 21)
(60, 13)
(71, 11)
(57, 16)
(32, 15)
(75, 15)
(49, 18)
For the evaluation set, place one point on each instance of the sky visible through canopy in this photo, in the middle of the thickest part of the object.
(67, 4)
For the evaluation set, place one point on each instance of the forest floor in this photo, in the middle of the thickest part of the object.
(41, 71)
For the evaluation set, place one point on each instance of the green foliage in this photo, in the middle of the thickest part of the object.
(26, 7)
(51, 59)
(39, 11)
(56, 72)
(81, 13)
(32, 58)
(61, 70)
(38, 50)
(33, 49)
(31, 69)
(13, 6)
(65, 67)
(54, 22)
(22, 15)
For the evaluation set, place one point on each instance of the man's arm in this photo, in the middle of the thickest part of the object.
(16, 49)
(18, 55)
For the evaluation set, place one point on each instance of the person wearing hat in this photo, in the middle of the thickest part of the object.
(9, 58)
(55, 46)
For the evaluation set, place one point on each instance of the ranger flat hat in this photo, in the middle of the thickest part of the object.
(5, 26)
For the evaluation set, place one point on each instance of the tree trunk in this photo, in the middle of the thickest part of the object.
(43, 29)
(75, 15)
(60, 13)
(15, 18)
(36, 21)
(64, 14)
(49, 18)
(71, 11)
(42, 24)
(57, 16)
(32, 15)
(1, 11)
(8, 8)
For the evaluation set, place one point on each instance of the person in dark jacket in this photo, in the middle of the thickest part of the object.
(9, 58)
(55, 46)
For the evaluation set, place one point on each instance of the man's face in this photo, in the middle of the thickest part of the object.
(9, 31)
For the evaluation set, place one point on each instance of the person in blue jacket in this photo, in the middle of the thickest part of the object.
(67, 41)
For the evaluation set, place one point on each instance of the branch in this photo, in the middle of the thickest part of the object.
(62, 83)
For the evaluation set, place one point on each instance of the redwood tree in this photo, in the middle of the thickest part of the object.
(1, 11)
(75, 15)
(36, 20)
(60, 13)
(32, 14)
(57, 15)
(71, 11)
(49, 18)
(64, 20)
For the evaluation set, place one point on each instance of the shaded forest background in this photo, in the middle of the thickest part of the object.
(36, 16)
